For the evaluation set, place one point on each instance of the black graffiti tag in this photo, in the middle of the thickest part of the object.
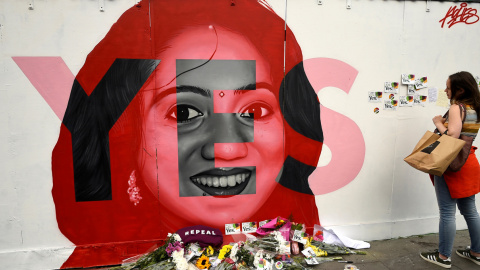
(460, 15)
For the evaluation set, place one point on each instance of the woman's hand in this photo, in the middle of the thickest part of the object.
(438, 120)
(439, 123)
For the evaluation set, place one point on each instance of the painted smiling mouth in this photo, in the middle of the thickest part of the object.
(221, 182)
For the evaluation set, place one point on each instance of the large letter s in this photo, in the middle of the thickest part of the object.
(341, 134)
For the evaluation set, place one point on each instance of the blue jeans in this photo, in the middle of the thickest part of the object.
(447, 207)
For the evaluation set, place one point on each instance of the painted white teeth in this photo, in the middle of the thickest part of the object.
(238, 178)
(222, 181)
(231, 181)
(209, 181)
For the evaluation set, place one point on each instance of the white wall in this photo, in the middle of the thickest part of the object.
(29, 129)
(381, 39)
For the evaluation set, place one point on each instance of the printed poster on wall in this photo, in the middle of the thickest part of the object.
(421, 83)
(419, 100)
(375, 97)
(411, 89)
(249, 227)
(232, 228)
(405, 101)
(408, 78)
(390, 105)
(263, 222)
(391, 87)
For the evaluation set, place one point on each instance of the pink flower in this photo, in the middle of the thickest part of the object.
(177, 246)
(318, 238)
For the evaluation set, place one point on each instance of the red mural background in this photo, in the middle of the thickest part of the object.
(129, 147)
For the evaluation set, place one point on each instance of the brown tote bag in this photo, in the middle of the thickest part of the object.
(434, 153)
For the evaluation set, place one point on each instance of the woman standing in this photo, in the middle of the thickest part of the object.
(458, 188)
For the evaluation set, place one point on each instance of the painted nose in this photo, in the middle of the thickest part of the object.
(229, 135)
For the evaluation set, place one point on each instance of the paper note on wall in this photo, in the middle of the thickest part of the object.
(432, 94)
(442, 99)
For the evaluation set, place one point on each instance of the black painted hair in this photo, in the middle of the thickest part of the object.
(90, 118)
(301, 110)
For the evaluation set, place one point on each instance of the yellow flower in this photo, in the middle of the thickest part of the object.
(318, 252)
(203, 262)
(309, 241)
(209, 251)
(225, 249)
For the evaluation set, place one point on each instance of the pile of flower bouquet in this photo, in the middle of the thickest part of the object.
(270, 251)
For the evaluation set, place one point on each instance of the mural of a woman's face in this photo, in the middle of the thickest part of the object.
(213, 138)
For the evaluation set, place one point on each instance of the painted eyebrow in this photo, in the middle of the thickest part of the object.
(252, 86)
(207, 92)
(182, 89)
(193, 89)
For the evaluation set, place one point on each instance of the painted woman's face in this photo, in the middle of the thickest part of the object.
(213, 137)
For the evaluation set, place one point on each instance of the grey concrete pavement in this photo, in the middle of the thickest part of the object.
(403, 254)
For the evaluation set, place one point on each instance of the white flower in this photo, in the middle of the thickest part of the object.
(180, 262)
(177, 237)
(177, 253)
(268, 263)
(279, 237)
(182, 265)
(258, 256)
(233, 252)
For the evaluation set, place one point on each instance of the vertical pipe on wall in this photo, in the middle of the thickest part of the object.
(285, 38)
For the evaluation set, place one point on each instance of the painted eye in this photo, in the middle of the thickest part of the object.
(256, 111)
(184, 113)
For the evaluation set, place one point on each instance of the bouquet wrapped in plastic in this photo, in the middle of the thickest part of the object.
(323, 249)
(279, 224)
(274, 243)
